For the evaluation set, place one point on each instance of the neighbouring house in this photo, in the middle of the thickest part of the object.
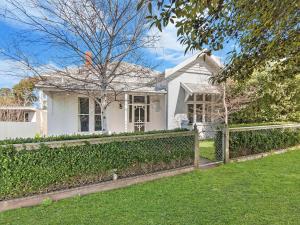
(181, 97)
(22, 121)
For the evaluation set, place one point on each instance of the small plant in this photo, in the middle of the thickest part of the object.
(37, 136)
(47, 202)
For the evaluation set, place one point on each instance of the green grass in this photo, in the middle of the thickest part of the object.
(264, 191)
(207, 149)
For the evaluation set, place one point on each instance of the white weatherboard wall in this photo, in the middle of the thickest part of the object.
(62, 115)
(198, 72)
(157, 113)
(18, 129)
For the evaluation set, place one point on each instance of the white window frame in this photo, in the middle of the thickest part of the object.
(97, 114)
(204, 104)
(83, 114)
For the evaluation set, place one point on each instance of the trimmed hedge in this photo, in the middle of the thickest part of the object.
(28, 172)
(80, 136)
(244, 143)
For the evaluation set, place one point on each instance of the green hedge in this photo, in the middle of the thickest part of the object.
(79, 136)
(28, 172)
(244, 143)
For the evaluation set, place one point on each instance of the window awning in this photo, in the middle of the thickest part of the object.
(199, 88)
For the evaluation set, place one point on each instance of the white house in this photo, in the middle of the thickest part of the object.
(183, 92)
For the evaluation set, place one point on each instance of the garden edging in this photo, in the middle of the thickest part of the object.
(264, 154)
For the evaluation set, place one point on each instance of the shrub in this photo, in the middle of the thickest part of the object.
(257, 141)
(27, 172)
(38, 139)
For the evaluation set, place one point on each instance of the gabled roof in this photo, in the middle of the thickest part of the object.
(204, 53)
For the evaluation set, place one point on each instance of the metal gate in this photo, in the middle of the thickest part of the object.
(211, 146)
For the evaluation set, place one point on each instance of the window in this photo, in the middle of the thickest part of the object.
(199, 97)
(139, 99)
(191, 113)
(130, 113)
(199, 113)
(83, 114)
(208, 113)
(199, 108)
(26, 117)
(208, 97)
(98, 125)
(148, 108)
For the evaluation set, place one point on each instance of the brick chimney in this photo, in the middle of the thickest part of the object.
(88, 58)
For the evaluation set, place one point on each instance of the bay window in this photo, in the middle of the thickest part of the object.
(199, 108)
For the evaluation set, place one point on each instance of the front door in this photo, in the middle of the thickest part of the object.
(139, 118)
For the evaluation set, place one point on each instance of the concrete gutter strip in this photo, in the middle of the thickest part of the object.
(264, 154)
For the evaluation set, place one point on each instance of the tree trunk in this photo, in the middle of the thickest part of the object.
(225, 105)
(103, 112)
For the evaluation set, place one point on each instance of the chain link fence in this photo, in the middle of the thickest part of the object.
(74, 163)
(244, 141)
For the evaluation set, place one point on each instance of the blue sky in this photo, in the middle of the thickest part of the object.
(167, 53)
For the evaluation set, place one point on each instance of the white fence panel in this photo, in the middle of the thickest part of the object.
(18, 129)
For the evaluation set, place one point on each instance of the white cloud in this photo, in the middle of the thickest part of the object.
(8, 11)
(12, 71)
(168, 47)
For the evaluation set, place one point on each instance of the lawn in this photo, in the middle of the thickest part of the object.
(207, 149)
(264, 191)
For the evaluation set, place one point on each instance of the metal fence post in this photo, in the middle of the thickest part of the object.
(196, 148)
(226, 143)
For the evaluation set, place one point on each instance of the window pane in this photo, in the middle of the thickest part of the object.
(199, 97)
(97, 107)
(139, 99)
(98, 126)
(84, 123)
(26, 117)
(191, 113)
(208, 97)
(130, 99)
(191, 98)
(208, 113)
(199, 113)
(83, 106)
(148, 113)
(130, 114)
(136, 114)
(142, 114)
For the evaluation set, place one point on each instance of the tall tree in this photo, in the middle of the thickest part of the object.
(277, 98)
(108, 35)
(262, 32)
(24, 92)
